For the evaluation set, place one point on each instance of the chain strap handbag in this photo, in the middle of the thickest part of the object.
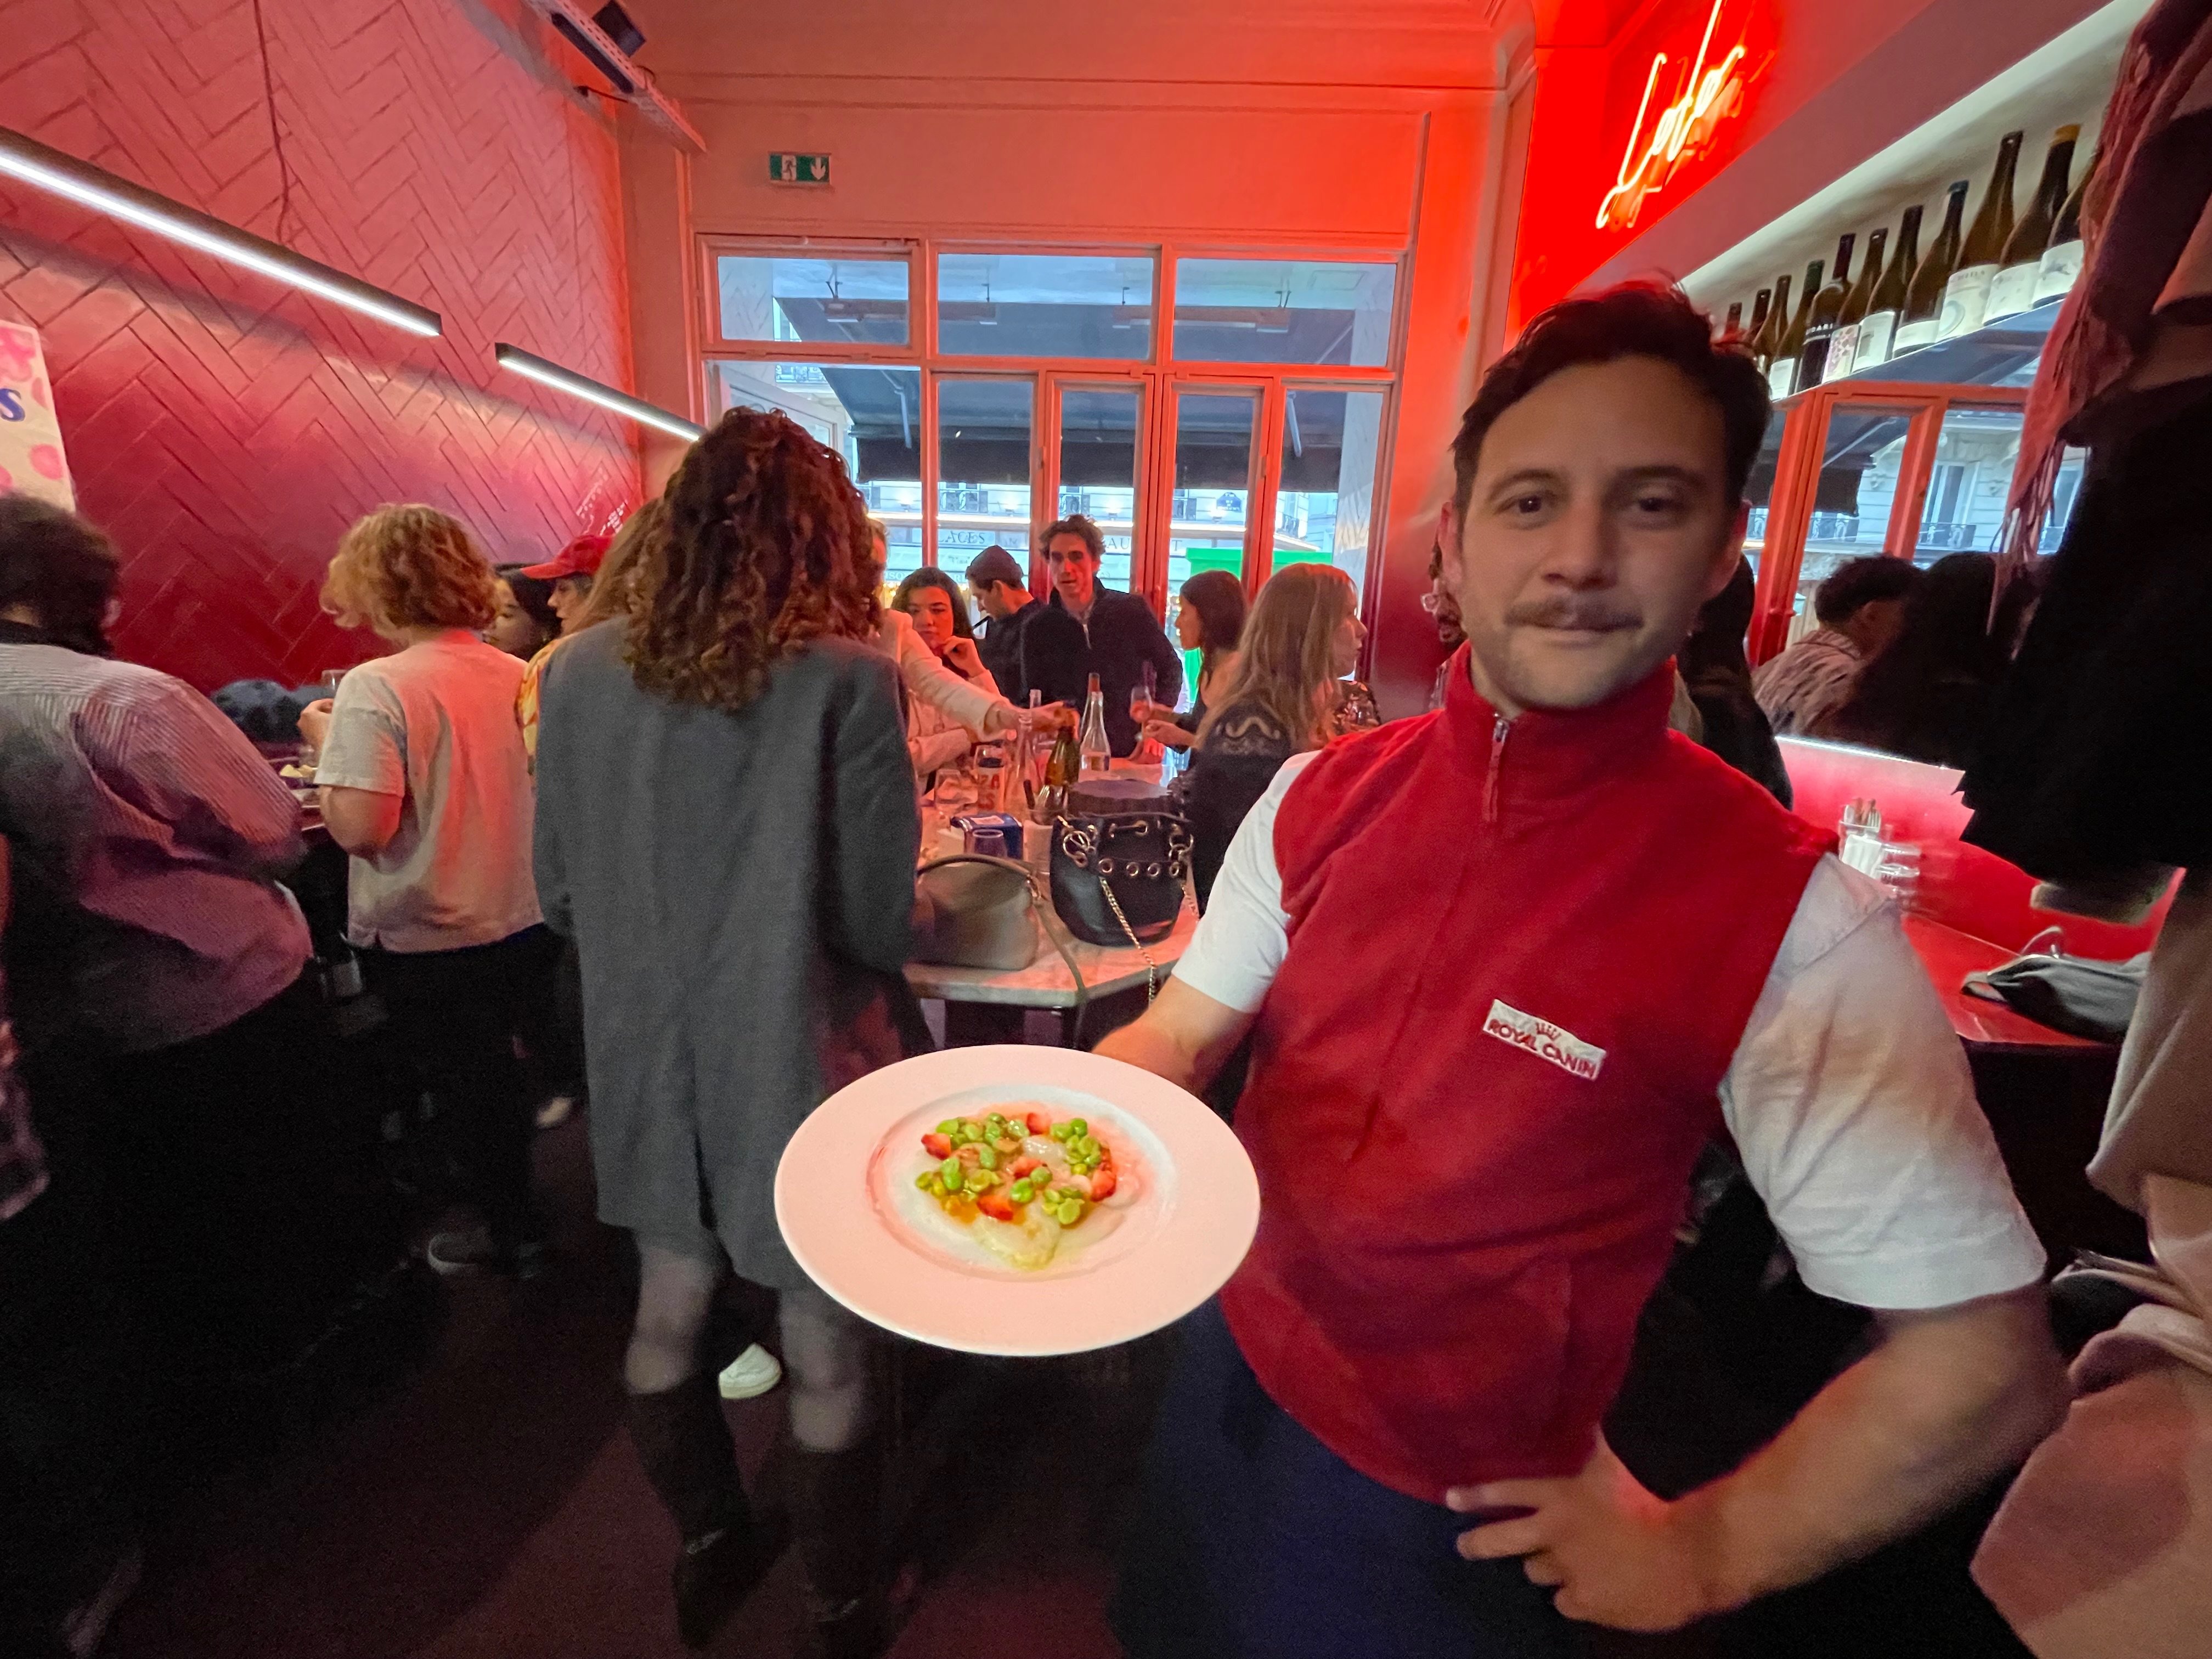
(1118, 879)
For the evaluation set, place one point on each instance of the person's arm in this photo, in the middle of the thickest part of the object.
(872, 829)
(361, 764)
(1215, 996)
(928, 751)
(1850, 1102)
(549, 863)
(982, 712)
(177, 759)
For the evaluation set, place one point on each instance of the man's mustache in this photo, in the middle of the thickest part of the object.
(1595, 616)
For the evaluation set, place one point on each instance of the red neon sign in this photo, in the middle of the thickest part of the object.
(1703, 98)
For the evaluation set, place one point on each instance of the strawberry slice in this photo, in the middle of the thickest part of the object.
(1039, 1123)
(1103, 1180)
(1022, 1165)
(937, 1146)
(997, 1206)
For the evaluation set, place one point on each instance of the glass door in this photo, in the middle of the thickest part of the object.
(1213, 480)
(1094, 457)
(983, 468)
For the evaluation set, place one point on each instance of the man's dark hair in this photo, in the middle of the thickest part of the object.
(1076, 525)
(1852, 588)
(1634, 320)
(55, 562)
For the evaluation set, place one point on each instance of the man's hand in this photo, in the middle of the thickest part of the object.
(315, 724)
(1617, 1555)
(1167, 735)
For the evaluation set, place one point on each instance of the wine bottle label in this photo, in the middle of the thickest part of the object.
(2062, 264)
(1781, 378)
(2012, 291)
(1965, 301)
(1842, 348)
(1875, 331)
(1910, 336)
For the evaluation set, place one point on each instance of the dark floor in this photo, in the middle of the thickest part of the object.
(488, 1504)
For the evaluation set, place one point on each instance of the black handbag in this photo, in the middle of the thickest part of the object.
(2078, 995)
(1118, 879)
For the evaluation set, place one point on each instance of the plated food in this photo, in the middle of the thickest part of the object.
(1139, 1200)
(1020, 1182)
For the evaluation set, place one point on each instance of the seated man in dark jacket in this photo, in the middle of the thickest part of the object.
(1088, 629)
(1002, 593)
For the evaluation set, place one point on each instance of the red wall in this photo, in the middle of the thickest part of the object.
(224, 430)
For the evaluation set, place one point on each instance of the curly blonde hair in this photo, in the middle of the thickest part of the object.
(410, 567)
(765, 548)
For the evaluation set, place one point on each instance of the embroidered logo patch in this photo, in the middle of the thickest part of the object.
(1544, 1040)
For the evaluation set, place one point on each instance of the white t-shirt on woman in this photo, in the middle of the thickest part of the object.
(435, 725)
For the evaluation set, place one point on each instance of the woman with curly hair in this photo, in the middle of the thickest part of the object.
(727, 827)
(424, 783)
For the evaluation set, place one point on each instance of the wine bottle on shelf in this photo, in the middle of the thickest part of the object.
(1966, 291)
(1782, 373)
(1878, 328)
(1923, 301)
(1827, 310)
(1760, 302)
(1842, 349)
(1731, 330)
(2013, 289)
(1766, 339)
(2062, 261)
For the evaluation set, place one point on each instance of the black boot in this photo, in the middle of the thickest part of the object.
(684, 1444)
(836, 1513)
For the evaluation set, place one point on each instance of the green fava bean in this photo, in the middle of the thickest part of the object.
(949, 1170)
(1078, 1128)
(985, 1157)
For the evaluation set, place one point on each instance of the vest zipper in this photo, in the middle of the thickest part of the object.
(1497, 731)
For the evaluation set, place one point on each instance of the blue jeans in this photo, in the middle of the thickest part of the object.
(1256, 1541)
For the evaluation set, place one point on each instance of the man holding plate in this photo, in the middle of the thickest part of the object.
(1507, 967)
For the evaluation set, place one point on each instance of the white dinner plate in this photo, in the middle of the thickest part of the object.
(846, 1201)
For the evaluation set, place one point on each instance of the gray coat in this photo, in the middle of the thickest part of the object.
(740, 889)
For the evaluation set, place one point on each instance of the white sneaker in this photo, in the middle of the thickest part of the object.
(555, 1112)
(750, 1375)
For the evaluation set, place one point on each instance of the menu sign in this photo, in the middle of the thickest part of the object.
(31, 458)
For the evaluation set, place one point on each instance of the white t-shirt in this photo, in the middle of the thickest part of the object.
(1849, 1096)
(435, 725)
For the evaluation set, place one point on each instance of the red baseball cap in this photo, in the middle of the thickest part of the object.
(579, 558)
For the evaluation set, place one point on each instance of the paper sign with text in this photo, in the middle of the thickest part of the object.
(31, 458)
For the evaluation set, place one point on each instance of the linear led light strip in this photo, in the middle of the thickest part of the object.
(35, 163)
(594, 391)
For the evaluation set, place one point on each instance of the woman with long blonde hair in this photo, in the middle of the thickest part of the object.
(727, 827)
(1286, 694)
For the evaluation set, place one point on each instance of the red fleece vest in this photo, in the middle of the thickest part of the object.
(1521, 958)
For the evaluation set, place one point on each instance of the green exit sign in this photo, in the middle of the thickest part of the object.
(785, 167)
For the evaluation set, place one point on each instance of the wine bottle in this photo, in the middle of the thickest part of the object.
(1732, 329)
(1966, 291)
(1766, 339)
(1842, 349)
(2062, 260)
(1827, 310)
(2014, 287)
(1098, 754)
(1878, 328)
(1782, 374)
(1923, 301)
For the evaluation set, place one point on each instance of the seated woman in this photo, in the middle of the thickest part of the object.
(1287, 694)
(939, 611)
(1210, 620)
(985, 714)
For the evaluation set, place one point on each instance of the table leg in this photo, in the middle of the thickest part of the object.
(972, 1024)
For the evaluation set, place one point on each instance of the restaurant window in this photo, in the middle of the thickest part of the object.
(1098, 469)
(1325, 500)
(1045, 305)
(1966, 504)
(1284, 311)
(1215, 433)
(843, 300)
(871, 416)
(982, 469)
